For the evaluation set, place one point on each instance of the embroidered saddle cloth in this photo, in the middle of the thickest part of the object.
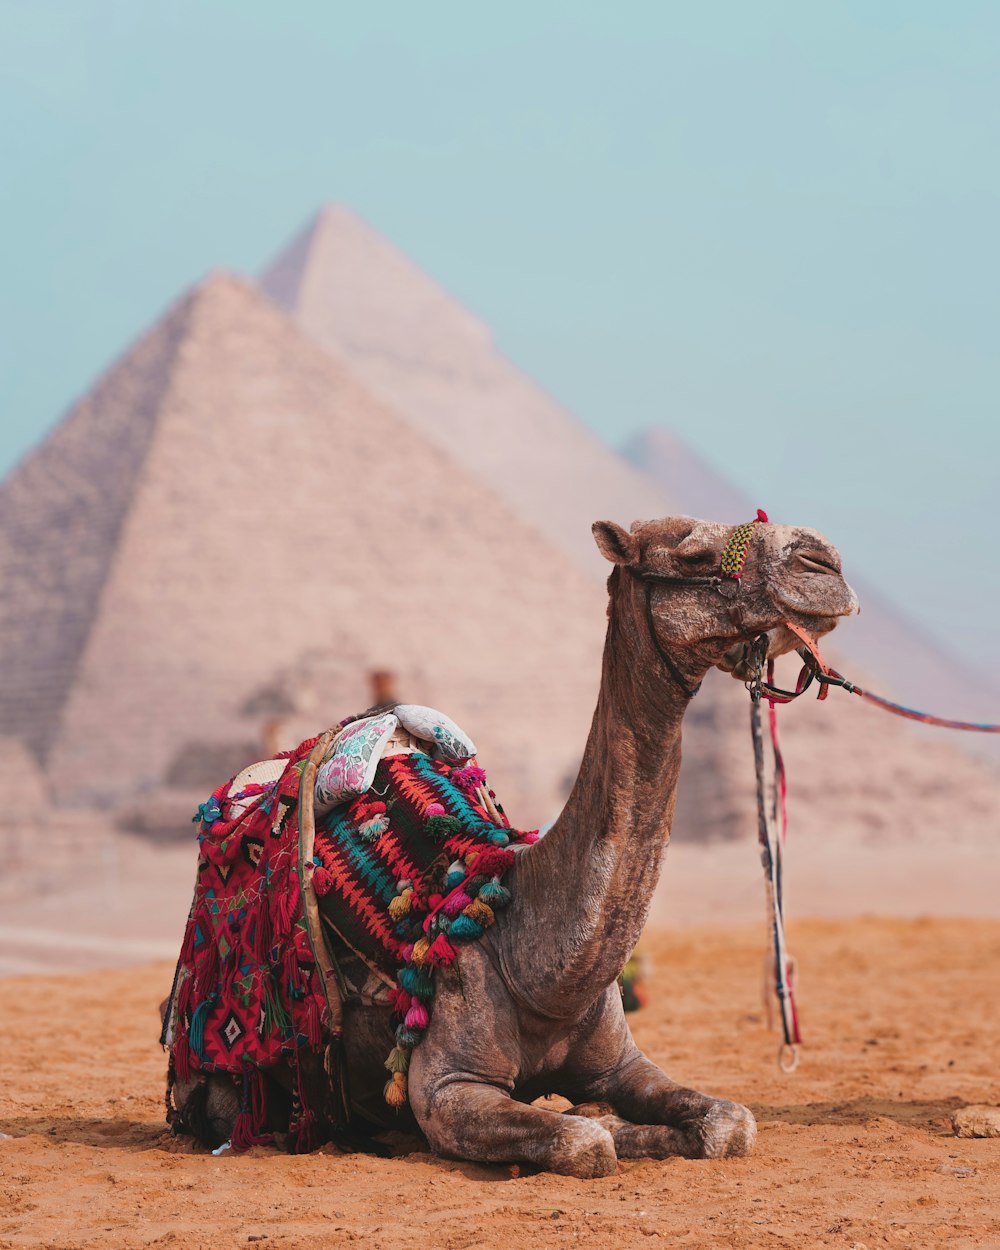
(405, 862)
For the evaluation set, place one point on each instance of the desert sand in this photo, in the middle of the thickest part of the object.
(901, 1019)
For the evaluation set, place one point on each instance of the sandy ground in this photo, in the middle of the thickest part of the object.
(902, 1020)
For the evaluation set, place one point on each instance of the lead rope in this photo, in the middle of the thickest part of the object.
(771, 830)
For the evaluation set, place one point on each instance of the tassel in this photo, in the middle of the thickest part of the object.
(314, 1030)
(196, 1033)
(187, 947)
(456, 903)
(398, 1061)
(400, 905)
(399, 1000)
(182, 1056)
(262, 935)
(465, 929)
(480, 913)
(417, 1017)
(321, 880)
(440, 952)
(395, 1090)
(184, 999)
(417, 983)
(406, 1038)
(419, 955)
(493, 861)
(441, 827)
(208, 973)
(494, 894)
(283, 912)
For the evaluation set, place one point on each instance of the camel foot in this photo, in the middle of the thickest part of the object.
(478, 1122)
(726, 1130)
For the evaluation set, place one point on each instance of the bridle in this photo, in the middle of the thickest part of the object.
(726, 582)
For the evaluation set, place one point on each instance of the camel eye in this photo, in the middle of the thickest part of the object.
(694, 558)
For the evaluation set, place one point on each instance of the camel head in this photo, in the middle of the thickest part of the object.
(668, 578)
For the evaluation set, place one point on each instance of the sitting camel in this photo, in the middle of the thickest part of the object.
(533, 1007)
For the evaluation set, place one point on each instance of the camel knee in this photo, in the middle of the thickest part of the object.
(207, 1107)
(583, 1148)
(727, 1130)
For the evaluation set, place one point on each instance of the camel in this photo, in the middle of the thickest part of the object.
(533, 1007)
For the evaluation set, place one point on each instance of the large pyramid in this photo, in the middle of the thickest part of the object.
(230, 504)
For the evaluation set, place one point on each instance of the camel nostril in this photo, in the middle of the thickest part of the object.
(817, 563)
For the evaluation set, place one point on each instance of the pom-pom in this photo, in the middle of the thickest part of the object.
(434, 809)
(398, 1061)
(395, 1090)
(417, 1018)
(400, 905)
(529, 837)
(456, 903)
(761, 514)
(403, 884)
(478, 911)
(494, 860)
(321, 880)
(494, 894)
(415, 982)
(465, 929)
(441, 827)
(440, 952)
(373, 829)
(499, 837)
(406, 1038)
(469, 777)
(419, 952)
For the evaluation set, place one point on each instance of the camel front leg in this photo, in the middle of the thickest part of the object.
(654, 1116)
(471, 1120)
(647, 1113)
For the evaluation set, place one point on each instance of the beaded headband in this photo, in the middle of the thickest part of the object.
(735, 555)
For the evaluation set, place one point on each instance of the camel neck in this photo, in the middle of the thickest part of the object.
(584, 891)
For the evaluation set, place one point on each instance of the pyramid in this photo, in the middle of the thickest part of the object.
(435, 363)
(230, 499)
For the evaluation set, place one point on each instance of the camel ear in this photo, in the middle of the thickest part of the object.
(614, 543)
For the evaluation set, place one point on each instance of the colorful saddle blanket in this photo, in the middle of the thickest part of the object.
(403, 873)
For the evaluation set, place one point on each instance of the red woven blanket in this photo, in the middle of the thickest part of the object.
(403, 874)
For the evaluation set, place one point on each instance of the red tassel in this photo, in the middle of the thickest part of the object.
(761, 514)
(184, 998)
(182, 1055)
(321, 879)
(441, 952)
(247, 1131)
(399, 1000)
(262, 938)
(493, 860)
(283, 911)
(187, 948)
(314, 1029)
(208, 973)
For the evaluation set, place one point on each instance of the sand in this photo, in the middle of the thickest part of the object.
(855, 1149)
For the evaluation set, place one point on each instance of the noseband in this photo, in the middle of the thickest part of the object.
(727, 582)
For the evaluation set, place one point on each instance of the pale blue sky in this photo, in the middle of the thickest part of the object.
(770, 226)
